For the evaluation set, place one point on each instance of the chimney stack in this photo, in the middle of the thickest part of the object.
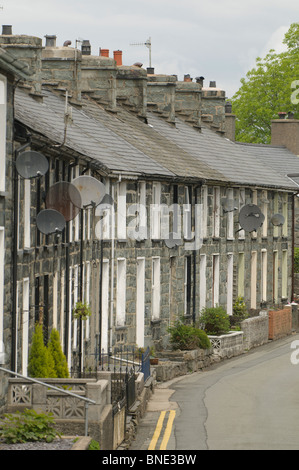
(285, 132)
(118, 57)
(7, 30)
(86, 47)
(104, 52)
(50, 41)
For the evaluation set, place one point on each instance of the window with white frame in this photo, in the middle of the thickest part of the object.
(254, 201)
(202, 281)
(187, 285)
(284, 274)
(215, 280)
(275, 207)
(25, 326)
(155, 211)
(122, 211)
(230, 217)
(105, 306)
(156, 288)
(187, 215)
(253, 287)
(216, 212)
(285, 214)
(275, 276)
(264, 276)
(27, 206)
(121, 292)
(3, 110)
(230, 283)
(204, 202)
(265, 204)
(241, 204)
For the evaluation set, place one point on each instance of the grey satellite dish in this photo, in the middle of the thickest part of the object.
(277, 220)
(91, 190)
(50, 221)
(228, 205)
(65, 198)
(31, 164)
(106, 202)
(251, 218)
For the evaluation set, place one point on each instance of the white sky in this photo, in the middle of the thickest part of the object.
(217, 39)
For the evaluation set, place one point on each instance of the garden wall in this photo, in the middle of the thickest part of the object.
(256, 330)
(280, 323)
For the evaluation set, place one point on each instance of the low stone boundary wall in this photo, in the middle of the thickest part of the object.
(256, 331)
(280, 323)
(177, 363)
(228, 345)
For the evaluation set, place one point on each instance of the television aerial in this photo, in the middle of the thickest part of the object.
(251, 218)
(148, 44)
(31, 164)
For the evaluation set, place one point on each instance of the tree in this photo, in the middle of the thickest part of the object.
(41, 363)
(269, 88)
(60, 362)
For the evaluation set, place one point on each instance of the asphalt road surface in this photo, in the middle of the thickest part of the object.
(246, 403)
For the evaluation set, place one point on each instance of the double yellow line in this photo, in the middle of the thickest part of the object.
(158, 430)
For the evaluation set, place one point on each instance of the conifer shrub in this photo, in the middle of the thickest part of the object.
(59, 359)
(40, 362)
(186, 337)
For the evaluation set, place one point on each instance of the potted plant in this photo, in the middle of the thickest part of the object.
(81, 311)
(153, 359)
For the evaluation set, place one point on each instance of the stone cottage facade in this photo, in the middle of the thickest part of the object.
(168, 241)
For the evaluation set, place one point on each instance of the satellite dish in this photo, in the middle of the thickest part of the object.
(31, 164)
(228, 205)
(106, 202)
(50, 221)
(251, 217)
(65, 198)
(277, 220)
(91, 190)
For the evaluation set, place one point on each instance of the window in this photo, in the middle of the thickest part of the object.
(216, 212)
(187, 221)
(241, 275)
(1, 283)
(264, 276)
(204, 202)
(284, 275)
(75, 300)
(187, 285)
(140, 302)
(230, 217)
(254, 201)
(275, 277)
(241, 204)
(275, 228)
(105, 306)
(253, 279)
(121, 211)
(121, 293)
(25, 326)
(285, 214)
(27, 205)
(2, 132)
(215, 286)
(202, 281)
(86, 293)
(230, 283)
(156, 288)
(155, 212)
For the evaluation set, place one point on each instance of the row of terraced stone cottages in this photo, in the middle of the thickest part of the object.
(164, 245)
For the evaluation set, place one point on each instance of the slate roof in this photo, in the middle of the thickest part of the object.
(122, 142)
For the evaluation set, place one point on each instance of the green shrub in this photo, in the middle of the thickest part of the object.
(40, 363)
(239, 312)
(188, 337)
(94, 445)
(215, 321)
(296, 260)
(27, 426)
(60, 362)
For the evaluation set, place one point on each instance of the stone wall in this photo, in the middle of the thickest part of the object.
(256, 331)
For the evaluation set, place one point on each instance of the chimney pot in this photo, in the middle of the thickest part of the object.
(7, 29)
(118, 57)
(50, 40)
(150, 70)
(282, 115)
(187, 78)
(212, 84)
(67, 43)
(86, 47)
(228, 107)
(104, 52)
(290, 115)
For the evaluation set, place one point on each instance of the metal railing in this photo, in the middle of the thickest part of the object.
(87, 401)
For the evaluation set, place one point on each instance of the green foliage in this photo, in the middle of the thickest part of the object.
(240, 312)
(27, 426)
(46, 362)
(215, 321)
(94, 445)
(40, 363)
(268, 89)
(82, 311)
(188, 337)
(60, 362)
(296, 260)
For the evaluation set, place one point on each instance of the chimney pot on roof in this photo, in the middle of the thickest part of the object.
(117, 55)
(7, 29)
(187, 78)
(86, 47)
(67, 43)
(212, 84)
(290, 115)
(50, 40)
(282, 115)
(104, 52)
(228, 107)
(150, 70)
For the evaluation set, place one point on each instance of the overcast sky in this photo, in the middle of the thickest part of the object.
(217, 39)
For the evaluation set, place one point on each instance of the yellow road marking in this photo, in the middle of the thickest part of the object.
(158, 429)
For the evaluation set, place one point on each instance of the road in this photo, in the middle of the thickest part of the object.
(246, 403)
